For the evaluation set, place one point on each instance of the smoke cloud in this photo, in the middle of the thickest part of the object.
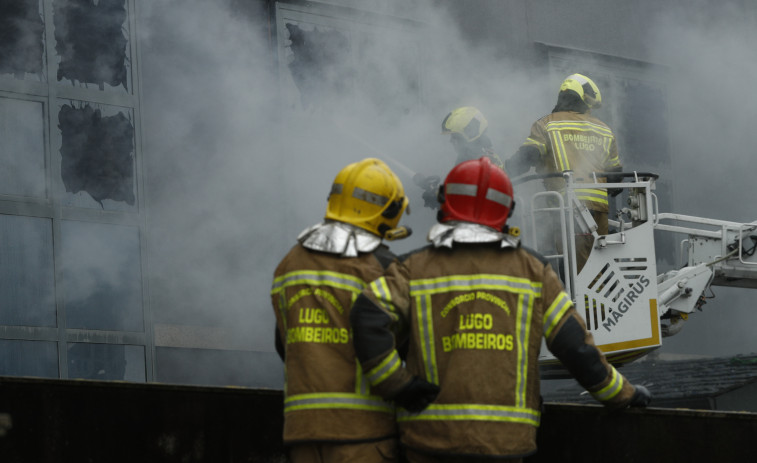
(241, 142)
(240, 159)
(708, 51)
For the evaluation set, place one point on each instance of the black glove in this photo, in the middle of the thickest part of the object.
(641, 397)
(613, 192)
(416, 395)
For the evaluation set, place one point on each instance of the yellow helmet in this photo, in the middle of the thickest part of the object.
(585, 87)
(367, 194)
(466, 121)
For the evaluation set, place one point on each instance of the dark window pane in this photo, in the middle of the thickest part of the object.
(319, 62)
(27, 277)
(106, 362)
(644, 132)
(21, 39)
(91, 41)
(644, 143)
(97, 156)
(28, 358)
(22, 148)
(102, 284)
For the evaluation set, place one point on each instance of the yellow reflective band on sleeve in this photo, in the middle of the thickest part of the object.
(555, 312)
(336, 400)
(318, 278)
(539, 145)
(384, 369)
(612, 389)
(380, 289)
(472, 412)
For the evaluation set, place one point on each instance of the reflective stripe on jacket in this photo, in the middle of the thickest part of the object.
(579, 142)
(475, 316)
(327, 396)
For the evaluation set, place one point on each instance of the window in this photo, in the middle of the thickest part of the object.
(22, 44)
(28, 358)
(71, 222)
(328, 57)
(106, 362)
(101, 276)
(27, 276)
(22, 148)
(92, 43)
(97, 156)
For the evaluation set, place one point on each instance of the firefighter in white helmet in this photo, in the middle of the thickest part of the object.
(570, 138)
(467, 130)
(474, 306)
(330, 411)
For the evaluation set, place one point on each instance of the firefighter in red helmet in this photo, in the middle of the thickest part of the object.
(474, 307)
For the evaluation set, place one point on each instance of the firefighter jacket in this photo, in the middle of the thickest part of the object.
(326, 396)
(475, 314)
(568, 140)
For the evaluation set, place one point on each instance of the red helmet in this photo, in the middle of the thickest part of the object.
(477, 191)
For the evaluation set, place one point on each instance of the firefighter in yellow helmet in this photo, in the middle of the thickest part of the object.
(330, 411)
(570, 138)
(466, 127)
(475, 306)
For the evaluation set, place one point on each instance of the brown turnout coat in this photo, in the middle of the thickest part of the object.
(327, 397)
(475, 317)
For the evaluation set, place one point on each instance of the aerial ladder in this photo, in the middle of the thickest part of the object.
(627, 305)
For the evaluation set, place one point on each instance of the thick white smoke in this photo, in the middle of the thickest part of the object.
(708, 49)
(236, 167)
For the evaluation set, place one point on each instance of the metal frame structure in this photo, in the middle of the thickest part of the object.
(626, 304)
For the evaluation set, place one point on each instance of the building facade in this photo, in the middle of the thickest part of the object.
(88, 287)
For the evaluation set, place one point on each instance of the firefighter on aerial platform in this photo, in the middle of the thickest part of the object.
(330, 412)
(466, 127)
(571, 139)
(474, 305)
